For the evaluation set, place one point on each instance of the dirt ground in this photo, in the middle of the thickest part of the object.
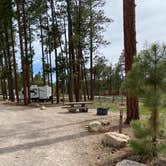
(52, 137)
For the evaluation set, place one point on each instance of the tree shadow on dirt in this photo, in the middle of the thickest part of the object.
(44, 142)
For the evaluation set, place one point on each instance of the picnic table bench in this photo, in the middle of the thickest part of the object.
(74, 106)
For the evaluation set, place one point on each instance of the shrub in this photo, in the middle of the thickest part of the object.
(142, 144)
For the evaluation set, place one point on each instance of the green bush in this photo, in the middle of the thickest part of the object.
(147, 81)
(144, 147)
(142, 144)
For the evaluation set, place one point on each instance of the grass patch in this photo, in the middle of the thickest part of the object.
(114, 106)
(144, 110)
(111, 103)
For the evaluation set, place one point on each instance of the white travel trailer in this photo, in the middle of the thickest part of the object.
(34, 92)
(44, 92)
(41, 93)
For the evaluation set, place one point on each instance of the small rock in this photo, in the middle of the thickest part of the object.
(129, 163)
(115, 139)
(42, 108)
(94, 126)
(37, 105)
(105, 122)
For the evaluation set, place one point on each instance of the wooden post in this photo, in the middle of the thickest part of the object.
(121, 107)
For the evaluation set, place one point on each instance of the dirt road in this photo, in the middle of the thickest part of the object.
(52, 137)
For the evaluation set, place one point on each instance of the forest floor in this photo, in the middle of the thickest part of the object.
(52, 137)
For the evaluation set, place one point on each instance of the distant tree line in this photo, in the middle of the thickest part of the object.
(69, 32)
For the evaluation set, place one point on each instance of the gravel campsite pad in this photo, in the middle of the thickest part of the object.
(52, 137)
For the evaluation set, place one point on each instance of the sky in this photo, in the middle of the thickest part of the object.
(150, 25)
(150, 28)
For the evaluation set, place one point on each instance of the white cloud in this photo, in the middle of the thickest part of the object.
(150, 25)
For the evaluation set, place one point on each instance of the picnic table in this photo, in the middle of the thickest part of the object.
(74, 106)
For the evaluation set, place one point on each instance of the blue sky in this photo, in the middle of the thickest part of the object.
(150, 26)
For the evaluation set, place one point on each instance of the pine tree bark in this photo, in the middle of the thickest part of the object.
(86, 80)
(26, 51)
(55, 50)
(91, 55)
(3, 84)
(72, 80)
(30, 50)
(42, 47)
(50, 58)
(24, 82)
(79, 54)
(14, 62)
(8, 63)
(3, 69)
(68, 81)
(130, 52)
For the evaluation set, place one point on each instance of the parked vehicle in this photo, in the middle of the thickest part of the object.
(38, 93)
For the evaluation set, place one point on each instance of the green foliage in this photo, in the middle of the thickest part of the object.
(142, 143)
(107, 77)
(162, 148)
(162, 126)
(150, 67)
(144, 147)
(147, 80)
(38, 80)
(141, 130)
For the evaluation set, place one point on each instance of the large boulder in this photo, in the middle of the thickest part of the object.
(115, 139)
(94, 126)
(129, 163)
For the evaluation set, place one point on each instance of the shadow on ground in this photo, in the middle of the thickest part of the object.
(44, 142)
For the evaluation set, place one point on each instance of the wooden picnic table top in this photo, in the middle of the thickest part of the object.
(78, 103)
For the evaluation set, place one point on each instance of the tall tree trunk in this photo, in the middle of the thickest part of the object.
(3, 84)
(3, 69)
(14, 62)
(130, 52)
(83, 81)
(42, 47)
(8, 58)
(55, 50)
(22, 56)
(26, 52)
(85, 76)
(154, 120)
(69, 70)
(91, 55)
(51, 82)
(79, 54)
(50, 58)
(30, 50)
(72, 78)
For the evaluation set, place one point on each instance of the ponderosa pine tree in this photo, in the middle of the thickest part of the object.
(147, 80)
(130, 52)
(83, 19)
(23, 64)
